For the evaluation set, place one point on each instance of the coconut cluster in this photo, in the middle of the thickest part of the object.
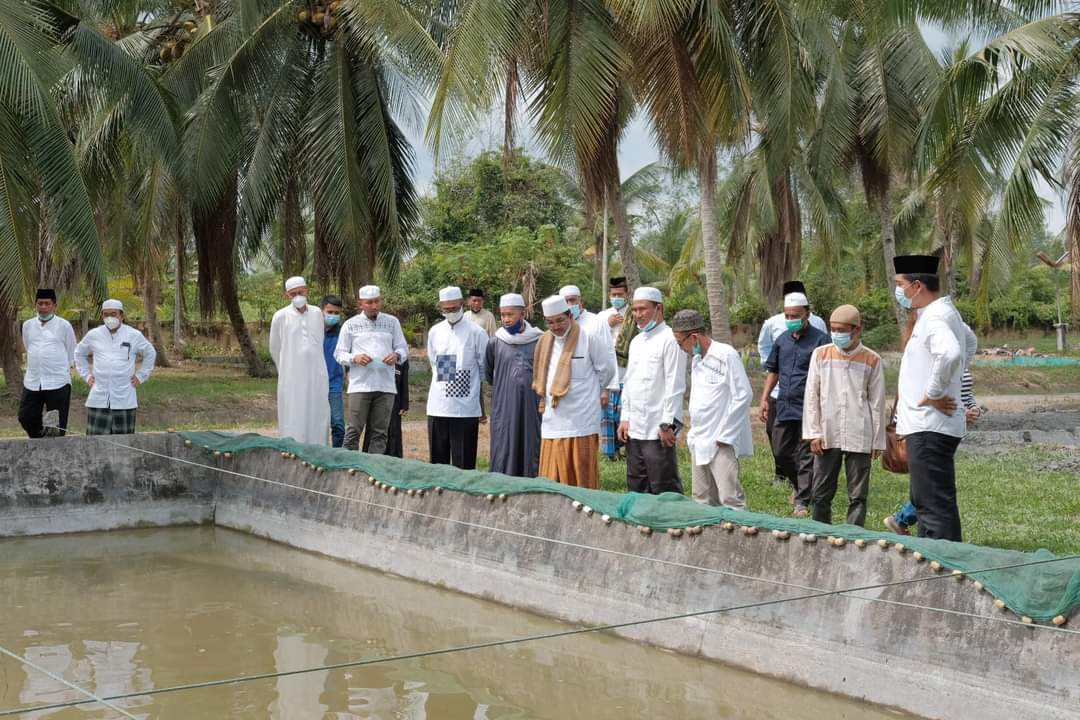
(174, 44)
(319, 19)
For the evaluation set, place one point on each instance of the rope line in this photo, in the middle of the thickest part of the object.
(502, 643)
(619, 553)
(45, 671)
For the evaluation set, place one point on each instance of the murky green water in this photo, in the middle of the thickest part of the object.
(133, 611)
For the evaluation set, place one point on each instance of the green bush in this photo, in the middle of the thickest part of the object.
(749, 309)
(882, 337)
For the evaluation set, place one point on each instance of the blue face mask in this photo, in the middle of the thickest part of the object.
(901, 298)
(794, 325)
(46, 318)
(841, 339)
(517, 327)
(697, 349)
(575, 311)
(331, 320)
(618, 303)
(650, 326)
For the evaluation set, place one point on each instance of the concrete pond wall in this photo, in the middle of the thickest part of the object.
(887, 646)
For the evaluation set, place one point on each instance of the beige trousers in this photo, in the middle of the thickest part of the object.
(718, 482)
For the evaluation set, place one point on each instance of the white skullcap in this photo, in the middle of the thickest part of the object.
(370, 292)
(648, 293)
(555, 305)
(795, 300)
(295, 282)
(450, 293)
(111, 304)
(568, 291)
(511, 300)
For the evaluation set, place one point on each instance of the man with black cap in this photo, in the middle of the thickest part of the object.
(771, 329)
(621, 332)
(50, 352)
(479, 314)
(928, 394)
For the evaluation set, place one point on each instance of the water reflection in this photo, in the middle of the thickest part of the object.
(131, 611)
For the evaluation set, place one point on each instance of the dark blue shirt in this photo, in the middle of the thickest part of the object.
(335, 371)
(790, 359)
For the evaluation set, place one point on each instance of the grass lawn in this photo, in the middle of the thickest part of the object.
(1005, 500)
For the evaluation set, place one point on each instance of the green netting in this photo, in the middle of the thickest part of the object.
(1040, 592)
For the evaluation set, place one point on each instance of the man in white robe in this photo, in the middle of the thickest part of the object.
(296, 345)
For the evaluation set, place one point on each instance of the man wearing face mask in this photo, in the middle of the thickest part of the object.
(371, 346)
(928, 393)
(111, 375)
(569, 369)
(720, 398)
(788, 365)
(50, 352)
(844, 415)
(515, 414)
(479, 314)
(456, 349)
(621, 333)
(652, 399)
(296, 345)
(332, 311)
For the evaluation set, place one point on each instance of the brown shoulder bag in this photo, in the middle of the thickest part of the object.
(895, 457)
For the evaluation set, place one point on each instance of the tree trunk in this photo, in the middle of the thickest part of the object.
(622, 232)
(294, 250)
(780, 254)
(153, 326)
(215, 236)
(715, 289)
(10, 354)
(888, 242)
(1074, 276)
(178, 286)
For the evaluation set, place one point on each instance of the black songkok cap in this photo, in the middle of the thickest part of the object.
(916, 264)
(617, 282)
(476, 292)
(793, 286)
(45, 294)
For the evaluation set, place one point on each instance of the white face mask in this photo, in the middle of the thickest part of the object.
(112, 322)
(299, 301)
(454, 317)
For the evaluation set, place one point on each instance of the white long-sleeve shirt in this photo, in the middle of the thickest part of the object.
(591, 369)
(655, 383)
(114, 365)
(456, 353)
(50, 353)
(932, 366)
(375, 338)
(602, 319)
(844, 404)
(773, 328)
(720, 397)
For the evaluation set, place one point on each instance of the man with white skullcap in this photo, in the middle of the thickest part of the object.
(652, 399)
(771, 329)
(570, 368)
(788, 365)
(515, 414)
(371, 345)
(296, 345)
(111, 375)
(456, 349)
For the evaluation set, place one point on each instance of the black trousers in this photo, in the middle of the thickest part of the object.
(826, 478)
(795, 459)
(651, 467)
(452, 441)
(931, 462)
(34, 402)
(770, 423)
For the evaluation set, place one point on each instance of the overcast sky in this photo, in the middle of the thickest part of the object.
(637, 147)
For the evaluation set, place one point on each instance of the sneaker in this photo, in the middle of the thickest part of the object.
(895, 527)
(800, 512)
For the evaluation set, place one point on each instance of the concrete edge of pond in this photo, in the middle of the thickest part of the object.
(883, 646)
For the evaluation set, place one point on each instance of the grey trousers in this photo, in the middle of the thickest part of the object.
(826, 477)
(718, 482)
(651, 467)
(370, 410)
